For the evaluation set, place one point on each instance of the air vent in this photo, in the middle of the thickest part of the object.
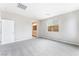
(21, 6)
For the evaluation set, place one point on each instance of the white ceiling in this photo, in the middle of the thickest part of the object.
(39, 11)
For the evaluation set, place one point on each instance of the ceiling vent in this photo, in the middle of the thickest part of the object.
(21, 6)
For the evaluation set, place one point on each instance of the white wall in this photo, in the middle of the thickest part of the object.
(23, 25)
(68, 28)
(0, 28)
(0, 31)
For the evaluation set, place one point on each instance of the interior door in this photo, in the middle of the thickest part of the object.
(7, 31)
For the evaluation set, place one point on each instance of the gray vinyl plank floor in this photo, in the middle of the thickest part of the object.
(38, 47)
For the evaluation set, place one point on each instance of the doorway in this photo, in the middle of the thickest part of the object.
(34, 29)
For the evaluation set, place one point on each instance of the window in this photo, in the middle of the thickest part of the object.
(54, 28)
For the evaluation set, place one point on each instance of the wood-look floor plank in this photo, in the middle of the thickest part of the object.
(38, 47)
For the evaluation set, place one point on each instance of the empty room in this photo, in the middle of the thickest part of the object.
(39, 29)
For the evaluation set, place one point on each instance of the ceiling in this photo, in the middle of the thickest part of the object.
(39, 11)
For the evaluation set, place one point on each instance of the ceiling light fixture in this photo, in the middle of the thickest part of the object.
(21, 6)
